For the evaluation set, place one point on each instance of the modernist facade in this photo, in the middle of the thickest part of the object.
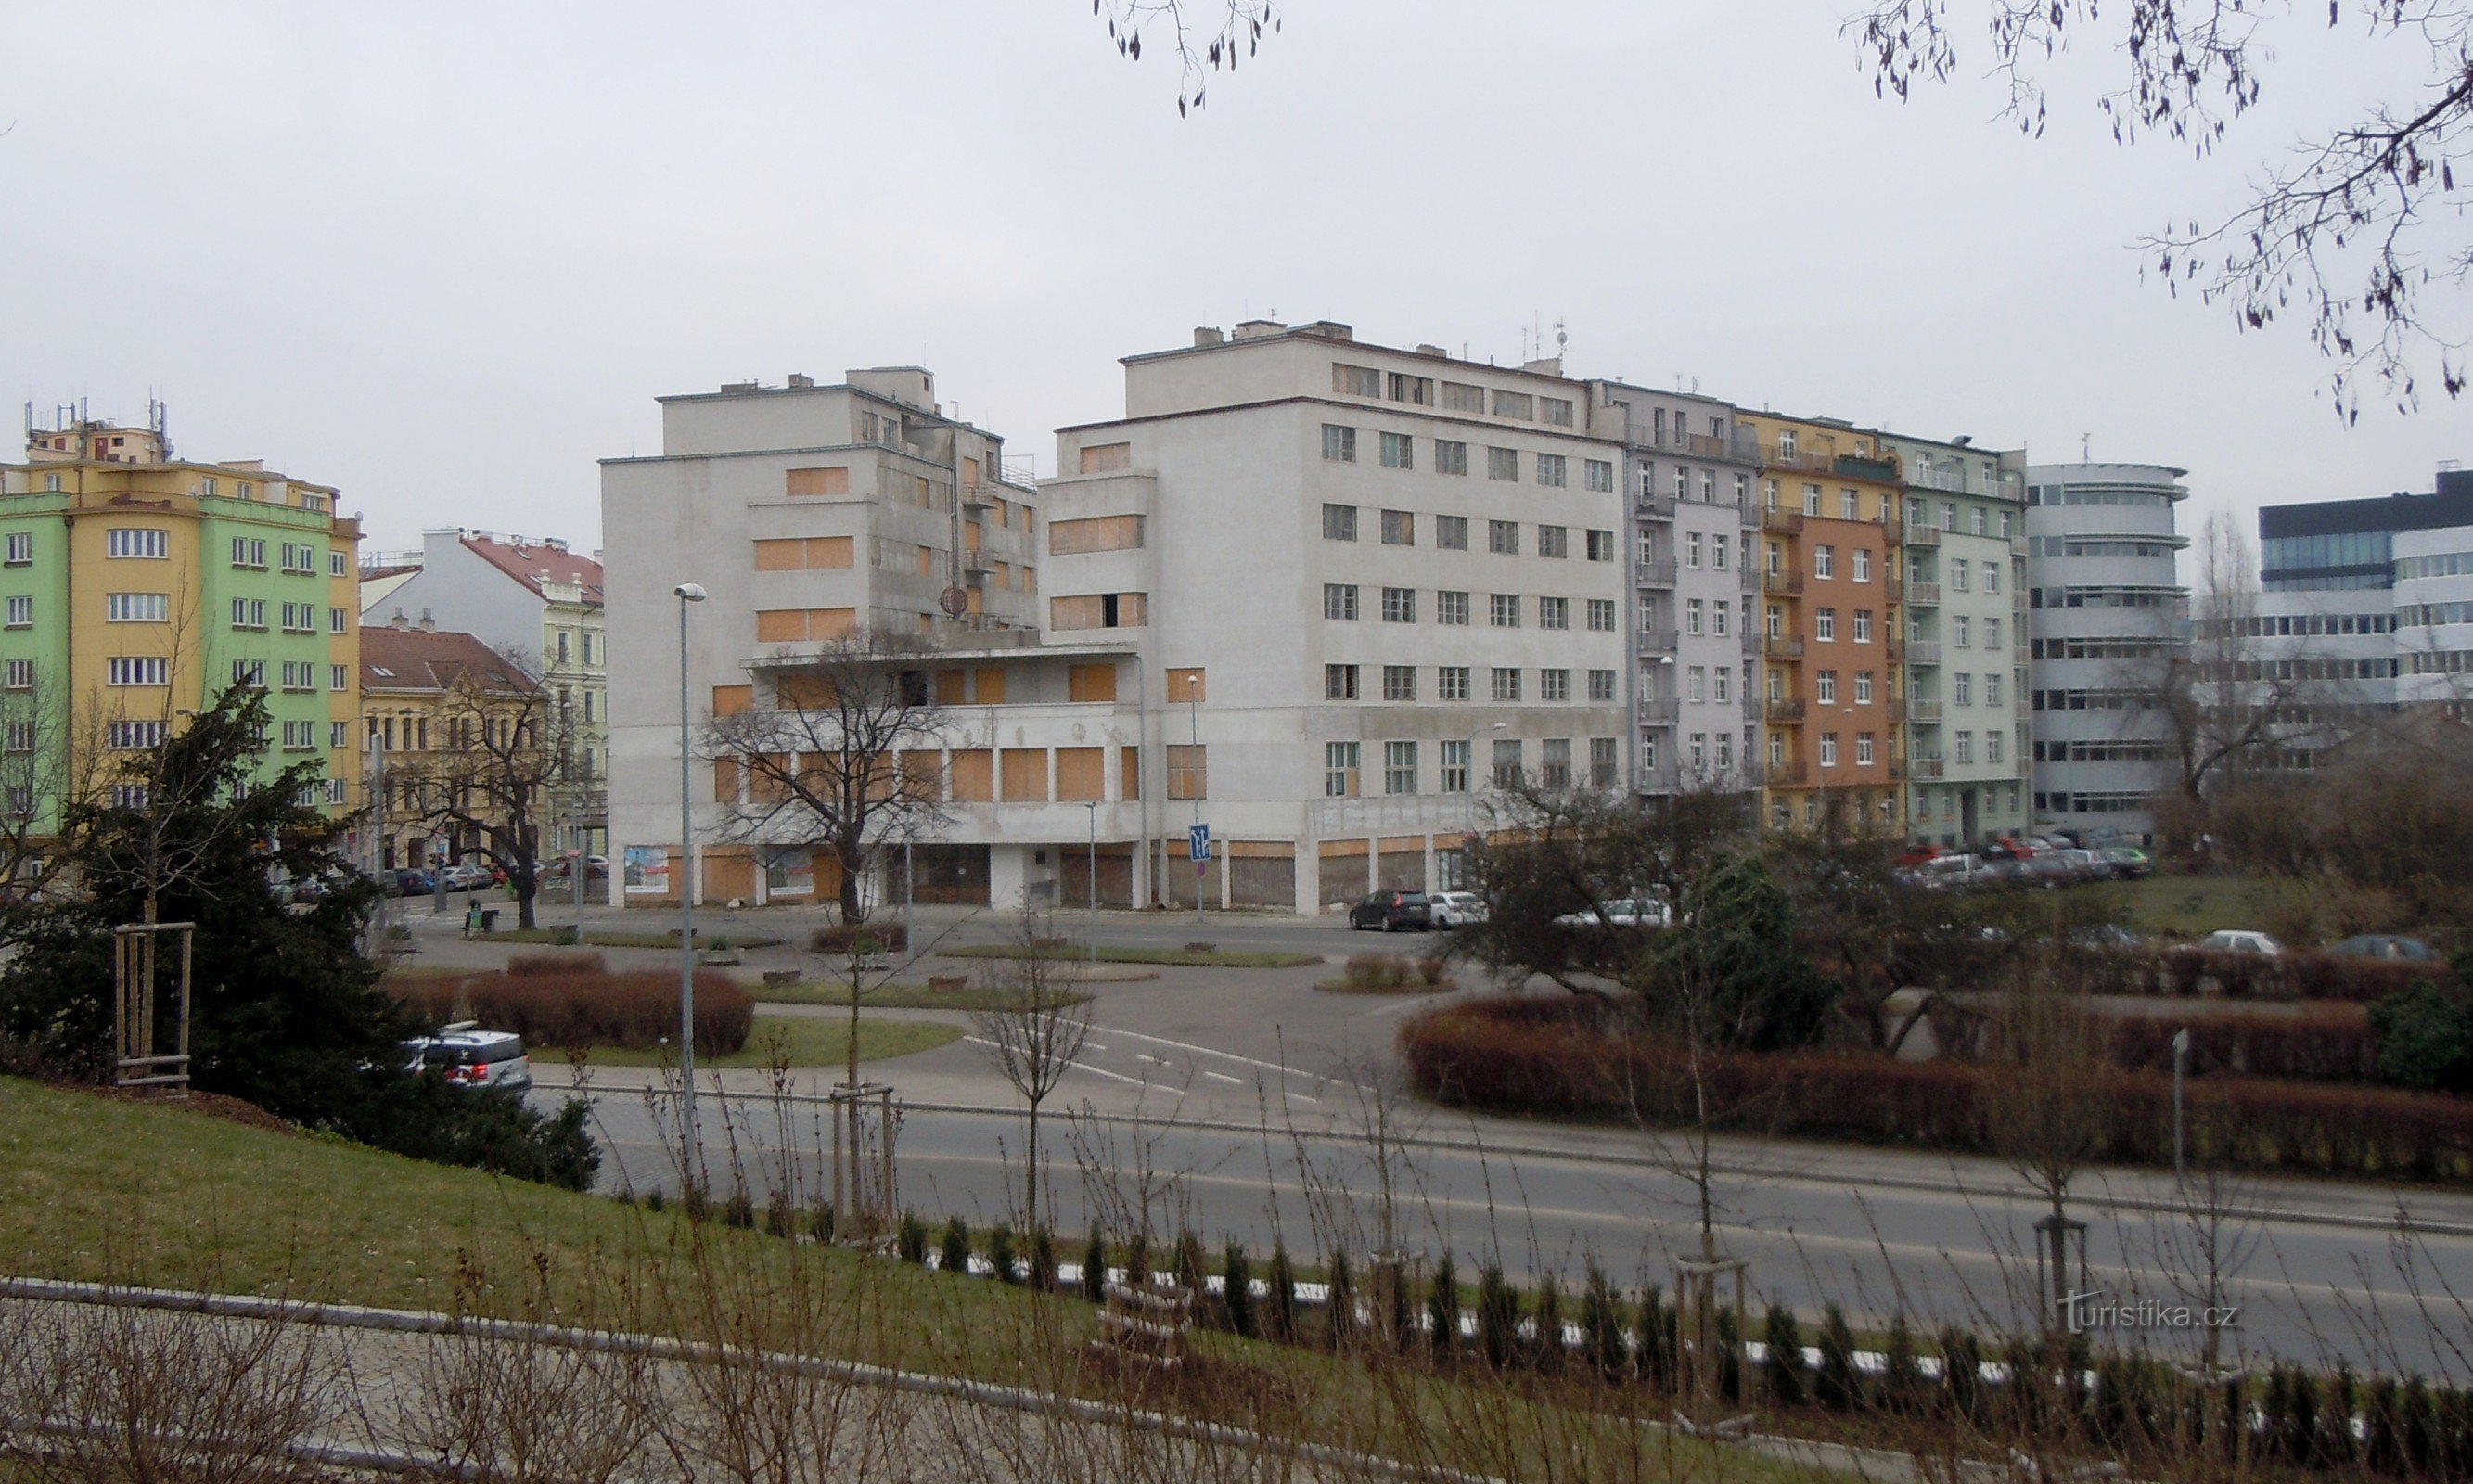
(2106, 611)
(538, 604)
(1688, 476)
(1964, 563)
(1832, 690)
(139, 586)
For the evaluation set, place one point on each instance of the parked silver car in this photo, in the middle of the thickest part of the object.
(1455, 909)
(472, 1057)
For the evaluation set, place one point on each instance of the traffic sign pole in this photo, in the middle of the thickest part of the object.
(1198, 847)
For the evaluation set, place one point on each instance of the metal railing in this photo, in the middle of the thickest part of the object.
(1782, 584)
(1661, 709)
(1654, 574)
(1655, 641)
(1923, 536)
(1787, 522)
(1924, 713)
(1653, 507)
(1928, 594)
(1923, 652)
(1781, 649)
(1788, 775)
(1925, 767)
(1785, 711)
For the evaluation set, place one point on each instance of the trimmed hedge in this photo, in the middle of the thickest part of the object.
(557, 1003)
(2190, 973)
(2320, 1044)
(1576, 1058)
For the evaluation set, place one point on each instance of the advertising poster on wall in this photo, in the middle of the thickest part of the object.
(789, 871)
(648, 870)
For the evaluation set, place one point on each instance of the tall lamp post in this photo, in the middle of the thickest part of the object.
(1193, 755)
(1092, 885)
(687, 592)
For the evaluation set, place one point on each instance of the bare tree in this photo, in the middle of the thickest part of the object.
(504, 749)
(2351, 230)
(52, 754)
(1033, 1030)
(2045, 1110)
(843, 746)
(1207, 36)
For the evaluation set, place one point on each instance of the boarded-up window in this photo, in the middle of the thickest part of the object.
(832, 480)
(797, 625)
(804, 554)
(1100, 611)
(1129, 774)
(1025, 774)
(972, 783)
(926, 562)
(989, 684)
(1107, 458)
(1188, 685)
(802, 692)
(1188, 772)
(732, 700)
(922, 772)
(1095, 532)
(952, 687)
(1090, 683)
(970, 471)
(1081, 773)
(1004, 576)
(767, 780)
(725, 780)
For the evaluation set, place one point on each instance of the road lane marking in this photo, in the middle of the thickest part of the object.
(1224, 1077)
(1186, 1045)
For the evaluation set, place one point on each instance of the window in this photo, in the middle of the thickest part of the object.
(1554, 762)
(1601, 615)
(1963, 750)
(339, 620)
(1338, 444)
(1975, 519)
(1825, 687)
(1863, 750)
(336, 566)
(1502, 610)
(1718, 556)
(1503, 464)
(127, 736)
(1863, 563)
(1555, 541)
(1824, 624)
(1602, 685)
(1811, 499)
(1742, 490)
(21, 548)
(1399, 528)
(250, 672)
(1339, 683)
(1506, 762)
(1398, 682)
(1961, 689)
(303, 618)
(1339, 522)
(1452, 683)
(1992, 747)
(1696, 684)
(1399, 451)
(137, 542)
(1451, 607)
(1554, 612)
(298, 558)
(1602, 545)
(1719, 611)
(1339, 601)
(1418, 391)
(1450, 458)
(1503, 537)
(1847, 507)
(1514, 404)
(1600, 477)
(300, 735)
(1399, 767)
(1604, 763)
(339, 678)
(1451, 532)
(128, 670)
(339, 733)
(1551, 469)
(1554, 684)
(1722, 686)
(1355, 380)
(1506, 684)
(1958, 569)
(300, 675)
(1829, 749)
(248, 612)
(1188, 772)
(1460, 396)
(19, 675)
(1992, 577)
(133, 796)
(1992, 634)
(1824, 560)
(21, 736)
(1399, 604)
(1454, 767)
(21, 612)
(1693, 609)
(1339, 770)
(1960, 631)
(1700, 750)
(1992, 688)
(1555, 410)
(1862, 687)
(1692, 550)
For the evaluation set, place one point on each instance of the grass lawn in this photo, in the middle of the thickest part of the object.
(2178, 906)
(1180, 957)
(896, 996)
(808, 1041)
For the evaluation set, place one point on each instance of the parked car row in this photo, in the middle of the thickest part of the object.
(2043, 861)
(414, 881)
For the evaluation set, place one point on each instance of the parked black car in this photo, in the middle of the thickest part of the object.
(1392, 911)
(412, 881)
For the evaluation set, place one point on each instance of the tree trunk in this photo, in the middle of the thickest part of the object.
(853, 862)
(1030, 1193)
(527, 886)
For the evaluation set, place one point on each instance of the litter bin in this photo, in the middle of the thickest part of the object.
(489, 920)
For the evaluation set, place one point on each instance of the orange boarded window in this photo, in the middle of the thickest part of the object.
(922, 772)
(1096, 532)
(991, 687)
(1025, 774)
(725, 780)
(802, 692)
(797, 625)
(972, 782)
(1129, 779)
(1081, 773)
(804, 554)
(1090, 683)
(1188, 772)
(1107, 458)
(1098, 610)
(952, 687)
(1185, 686)
(831, 480)
(732, 700)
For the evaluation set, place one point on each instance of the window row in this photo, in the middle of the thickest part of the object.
(1343, 766)
(1415, 390)
(1452, 683)
(1451, 532)
(1398, 450)
(1341, 602)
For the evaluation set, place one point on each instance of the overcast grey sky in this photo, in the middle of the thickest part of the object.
(444, 256)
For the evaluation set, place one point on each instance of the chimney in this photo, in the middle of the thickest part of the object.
(397, 621)
(801, 380)
(1208, 335)
(429, 625)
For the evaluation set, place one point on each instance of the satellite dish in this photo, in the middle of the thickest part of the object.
(955, 602)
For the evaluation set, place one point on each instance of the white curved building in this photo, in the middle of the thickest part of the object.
(2106, 608)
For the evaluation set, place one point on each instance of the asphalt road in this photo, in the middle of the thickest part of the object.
(2332, 1285)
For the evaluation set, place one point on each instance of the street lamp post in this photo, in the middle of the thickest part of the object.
(1092, 884)
(685, 875)
(2181, 1066)
(1193, 754)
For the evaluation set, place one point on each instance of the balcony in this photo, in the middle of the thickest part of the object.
(1654, 574)
(1924, 594)
(1653, 507)
(1924, 713)
(2018, 597)
(2025, 766)
(1897, 710)
(1663, 710)
(1925, 767)
(1893, 589)
(1782, 712)
(1782, 457)
(1655, 641)
(1923, 536)
(1923, 652)
(1663, 778)
(1781, 649)
(1857, 466)
(1788, 775)
(1752, 641)
(1784, 522)
(1782, 585)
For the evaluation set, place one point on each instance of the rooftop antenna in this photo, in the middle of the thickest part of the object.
(2086, 457)
(1561, 340)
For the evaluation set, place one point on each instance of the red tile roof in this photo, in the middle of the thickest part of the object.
(527, 565)
(395, 658)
